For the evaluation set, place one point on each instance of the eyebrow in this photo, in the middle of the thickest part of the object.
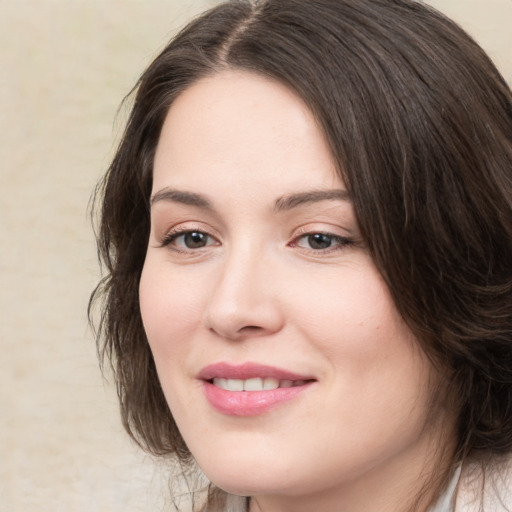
(291, 201)
(180, 196)
(284, 203)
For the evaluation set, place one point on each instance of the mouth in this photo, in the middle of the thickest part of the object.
(250, 389)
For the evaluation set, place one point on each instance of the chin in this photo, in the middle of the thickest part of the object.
(249, 479)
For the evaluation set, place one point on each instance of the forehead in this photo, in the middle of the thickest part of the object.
(244, 128)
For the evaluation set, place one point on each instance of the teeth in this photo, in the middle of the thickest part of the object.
(221, 383)
(235, 385)
(270, 383)
(255, 384)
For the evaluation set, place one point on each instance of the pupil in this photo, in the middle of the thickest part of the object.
(195, 240)
(319, 241)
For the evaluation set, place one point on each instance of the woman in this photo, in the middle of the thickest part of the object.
(307, 232)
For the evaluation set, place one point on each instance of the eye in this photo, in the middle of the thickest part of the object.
(321, 242)
(317, 241)
(188, 240)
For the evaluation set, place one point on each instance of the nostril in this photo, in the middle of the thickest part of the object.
(250, 329)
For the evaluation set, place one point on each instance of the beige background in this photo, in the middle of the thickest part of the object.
(64, 67)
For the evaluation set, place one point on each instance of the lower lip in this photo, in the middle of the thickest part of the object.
(249, 403)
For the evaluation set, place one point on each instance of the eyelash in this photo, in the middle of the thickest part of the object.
(171, 237)
(336, 242)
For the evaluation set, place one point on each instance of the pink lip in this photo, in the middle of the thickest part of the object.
(249, 403)
(247, 371)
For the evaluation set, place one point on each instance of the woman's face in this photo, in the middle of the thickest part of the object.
(284, 362)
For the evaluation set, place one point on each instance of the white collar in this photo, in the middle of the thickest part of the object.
(446, 502)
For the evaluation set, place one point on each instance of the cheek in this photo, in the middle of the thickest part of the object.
(350, 313)
(171, 311)
(171, 308)
(372, 355)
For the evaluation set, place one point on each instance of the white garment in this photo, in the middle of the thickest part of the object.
(473, 489)
(446, 502)
(488, 490)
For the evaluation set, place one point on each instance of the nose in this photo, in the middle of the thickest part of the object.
(244, 301)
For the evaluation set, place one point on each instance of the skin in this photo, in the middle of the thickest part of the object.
(364, 436)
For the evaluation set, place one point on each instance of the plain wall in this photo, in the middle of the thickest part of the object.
(64, 68)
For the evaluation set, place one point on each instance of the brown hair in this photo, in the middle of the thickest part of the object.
(420, 124)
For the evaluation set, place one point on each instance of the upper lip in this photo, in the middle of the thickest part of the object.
(247, 371)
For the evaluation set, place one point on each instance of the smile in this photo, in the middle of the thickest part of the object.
(250, 389)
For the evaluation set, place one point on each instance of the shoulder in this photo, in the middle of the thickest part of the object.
(485, 485)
